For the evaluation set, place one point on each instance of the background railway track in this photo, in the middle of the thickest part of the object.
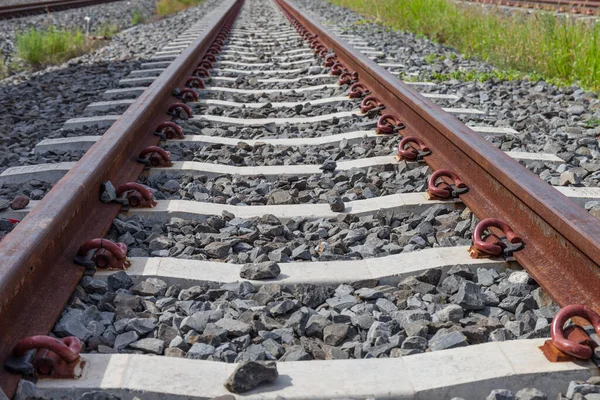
(30, 8)
(354, 305)
(588, 7)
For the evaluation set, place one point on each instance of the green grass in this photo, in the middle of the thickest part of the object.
(560, 50)
(40, 47)
(107, 30)
(166, 7)
(137, 17)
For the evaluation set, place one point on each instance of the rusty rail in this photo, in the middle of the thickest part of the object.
(20, 10)
(562, 241)
(575, 6)
(37, 272)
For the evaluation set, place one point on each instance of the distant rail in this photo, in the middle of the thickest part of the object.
(22, 10)
(589, 7)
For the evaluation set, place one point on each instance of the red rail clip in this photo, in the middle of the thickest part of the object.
(442, 190)
(370, 103)
(138, 196)
(169, 130)
(55, 358)
(493, 245)
(187, 94)
(109, 255)
(178, 109)
(388, 124)
(195, 82)
(573, 341)
(411, 148)
(358, 90)
(155, 156)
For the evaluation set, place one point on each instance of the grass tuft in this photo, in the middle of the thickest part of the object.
(39, 47)
(137, 17)
(166, 7)
(107, 30)
(555, 48)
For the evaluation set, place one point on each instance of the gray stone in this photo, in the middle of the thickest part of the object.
(282, 308)
(315, 325)
(369, 294)
(469, 296)
(73, 323)
(530, 394)
(575, 110)
(582, 388)
(197, 321)
(233, 327)
(148, 345)
(108, 192)
(500, 394)
(295, 353)
(119, 280)
(125, 339)
(27, 390)
(263, 270)
(405, 317)
(335, 334)
(414, 342)
(218, 249)
(200, 351)
(343, 302)
(452, 313)
(336, 204)
(448, 341)
(141, 325)
(486, 276)
(250, 374)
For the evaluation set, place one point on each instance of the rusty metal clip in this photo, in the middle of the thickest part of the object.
(494, 245)
(155, 156)
(55, 358)
(441, 190)
(187, 94)
(348, 78)
(338, 69)
(138, 196)
(371, 104)
(108, 255)
(169, 130)
(205, 64)
(407, 150)
(210, 57)
(358, 90)
(195, 82)
(388, 124)
(572, 341)
(330, 60)
(178, 109)
(201, 72)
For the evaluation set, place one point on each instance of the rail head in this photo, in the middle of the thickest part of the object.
(562, 241)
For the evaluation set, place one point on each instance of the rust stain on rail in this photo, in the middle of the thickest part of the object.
(562, 241)
(37, 273)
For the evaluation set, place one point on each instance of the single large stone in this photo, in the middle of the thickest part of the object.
(217, 249)
(200, 351)
(263, 270)
(149, 345)
(452, 312)
(530, 394)
(125, 339)
(500, 394)
(233, 327)
(335, 334)
(119, 280)
(197, 321)
(343, 302)
(315, 325)
(448, 341)
(469, 296)
(250, 374)
(73, 323)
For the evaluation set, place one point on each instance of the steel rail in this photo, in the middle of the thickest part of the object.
(562, 241)
(20, 10)
(37, 272)
(585, 4)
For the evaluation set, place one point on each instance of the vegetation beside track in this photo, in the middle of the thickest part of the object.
(166, 7)
(40, 47)
(540, 45)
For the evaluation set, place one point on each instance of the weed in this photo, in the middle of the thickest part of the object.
(592, 123)
(166, 7)
(555, 48)
(137, 17)
(38, 47)
(107, 30)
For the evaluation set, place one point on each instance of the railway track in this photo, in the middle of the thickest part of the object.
(304, 204)
(40, 7)
(587, 7)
